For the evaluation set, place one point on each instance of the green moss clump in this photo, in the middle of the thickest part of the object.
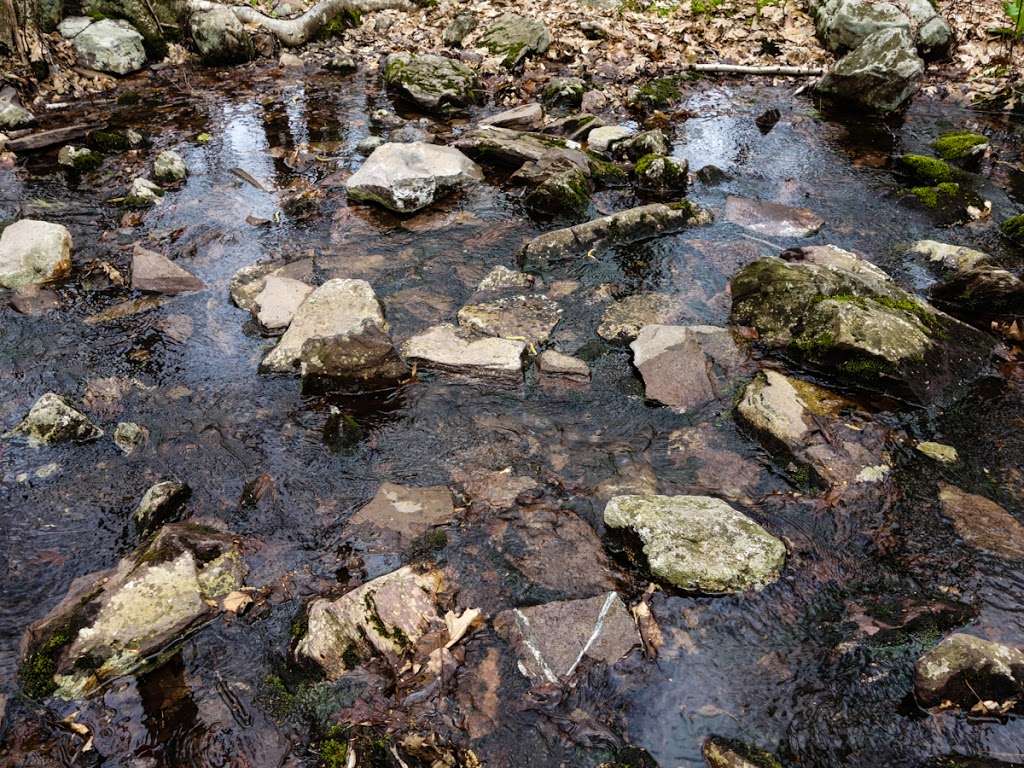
(940, 194)
(109, 141)
(1013, 228)
(333, 753)
(336, 27)
(605, 173)
(957, 145)
(40, 666)
(928, 170)
(658, 94)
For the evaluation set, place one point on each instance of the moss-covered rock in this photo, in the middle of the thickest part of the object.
(659, 93)
(434, 83)
(563, 193)
(1013, 229)
(158, 21)
(941, 195)
(661, 176)
(564, 92)
(927, 170)
(81, 159)
(515, 38)
(959, 145)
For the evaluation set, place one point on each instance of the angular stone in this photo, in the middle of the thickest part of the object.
(686, 366)
(710, 458)
(771, 219)
(34, 252)
(604, 138)
(551, 640)
(408, 177)
(33, 300)
(556, 365)
(247, 282)
(13, 115)
(639, 145)
(143, 193)
(73, 25)
(492, 145)
(169, 167)
(78, 158)
(276, 305)
(882, 73)
(699, 543)
(110, 45)
(386, 616)
(52, 419)
(435, 83)
(529, 318)
(623, 228)
(982, 291)
(963, 670)
(525, 117)
(155, 273)
(662, 177)
(459, 28)
(160, 504)
(515, 38)
(982, 523)
(443, 347)
(624, 318)
(564, 92)
(401, 514)
(129, 436)
(945, 453)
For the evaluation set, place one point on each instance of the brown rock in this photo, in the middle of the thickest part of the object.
(155, 273)
(401, 513)
(771, 219)
(982, 523)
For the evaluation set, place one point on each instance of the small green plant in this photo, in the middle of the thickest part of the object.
(706, 7)
(1014, 10)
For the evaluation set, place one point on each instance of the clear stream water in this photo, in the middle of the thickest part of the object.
(786, 669)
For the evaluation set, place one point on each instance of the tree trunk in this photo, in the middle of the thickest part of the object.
(26, 40)
(8, 26)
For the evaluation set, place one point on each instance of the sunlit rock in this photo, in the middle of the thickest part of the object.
(33, 252)
(965, 671)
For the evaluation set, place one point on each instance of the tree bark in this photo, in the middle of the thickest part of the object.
(26, 40)
(8, 26)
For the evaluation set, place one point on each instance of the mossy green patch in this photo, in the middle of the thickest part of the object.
(659, 93)
(36, 673)
(1013, 229)
(938, 195)
(927, 170)
(348, 18)
(958, 145)
(109, 141)
(333, 753)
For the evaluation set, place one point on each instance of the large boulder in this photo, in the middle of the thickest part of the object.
(408, 177)
(158, 21)
(52, 419)
(338, 332)
(699, 543)
(220, 38)
(110, 45)
(838, 313)
(843, 25)
(33, 252)
(434, 83)
(965, 671)
(882, 73)
(116, 622)
(514, 38)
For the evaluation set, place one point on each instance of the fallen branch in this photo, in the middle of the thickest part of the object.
(301, 29)
(743, 69)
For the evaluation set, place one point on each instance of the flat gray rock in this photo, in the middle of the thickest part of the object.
(155, 273)
(604, 138)
(515, 38)
(444, 347)
(110, 45)
(525, 117)
(502, 278)
(771, 219)
(34, 252)
(553, 364)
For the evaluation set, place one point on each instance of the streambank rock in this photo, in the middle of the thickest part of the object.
(515, 38)
(143, 193)
(169, 167)
(13, 114)
(492, 145)
(625, 317)
(623, 228)
(698, 542)
(399, 514)
(555, 366)
(551, 640)
(338, 332)
(771, 219)
(115, 622)
(445, 347)
(982, 523)
(221, 38)
(603, 139)
(840, 314)
(882, 73)
(686, 366)
(525, 117)
(963, 670)
(108, 45)
(662, 177)
(155, 273)
(34, 252)
(529, 318)
(408, 177)
(160, 504)
(52, 419)
(843, 25)
(276, 305)
(435, 83)
(385, 617)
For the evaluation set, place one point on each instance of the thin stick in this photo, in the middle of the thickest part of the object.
(743, 69)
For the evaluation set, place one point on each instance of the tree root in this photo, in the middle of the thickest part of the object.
(301, 29)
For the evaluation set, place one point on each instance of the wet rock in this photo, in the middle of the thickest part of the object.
(502, 278)
(169, 167)
(160, 504)
(78, 158)
(529, 318)
(1013, 229)
(408, 177)
(557, 366)
(604, 139)
(444, 347)
(247, 282)
(842, 315)
(641, 144)
(945, 453)
(33, 300)
(963, 671)
(623, 228)
(882, 73)
(34, 252)
(108, 45)
(565, 192)
(982, 523)
(960, 146)
(522, 118)
(276, 305)
(982, 291)
(220, 37)
(143, 193)
(565, 92)
(386, 616)
(492, 145)
(954, 258)
(686, 367)
(515, 38)
(699, 543)
(624, 318)
(366, 146)
(435, 83)
(409, 134)
(343, 64)
(155, 273)
(726, 753)
(52, 419)
(459, 28)
(398, 515)
(13, 114)
(339, 331)
(551, 640)
(129, 437)
(115, 622)
(714, 464)
(771, 219)
(660, 176)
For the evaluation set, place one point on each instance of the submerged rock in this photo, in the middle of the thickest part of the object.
(338, 332)
(945, 453)
(551, 640)
(983, 291)
(963, 671)
(386, 616)
(444, 347)
(109, 45)
(408, 177)
(841, 314)
(34, 252)
(220, 37)
(276, 305)
(160, 504)
(502, 278)
(954, 258)
(686, 366)
(129, 436)
(52, 419)
(771, 219)
(699, 543)
(529, 318)
(882, 73)
(624, 318)
(401, 514)
(623, 228)
(435, 83)
(115, 622)
(155, 273)
(982, 523)
(515, 38)
(726, 753)
(169, 167)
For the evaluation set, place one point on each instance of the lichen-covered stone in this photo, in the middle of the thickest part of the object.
(220, 37)
(727, 753)
(515, 38)
(661, 176)
(169, 167)
(529, 318)
(78, 158)
(963, 670)
(492, 145)
(34, 252)
(52, 419)
(638, 145)
(948, 257)
(882, 73)
(699, 543)
(129, 436)
(604, 138)
(624, 318)
(984, 291)
(143, 193)
(435, 83)
(502, 278)
(110, 45)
